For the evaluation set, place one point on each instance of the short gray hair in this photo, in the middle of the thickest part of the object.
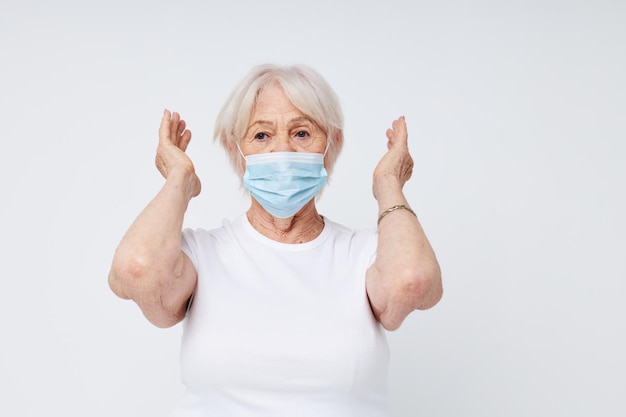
(307, 91)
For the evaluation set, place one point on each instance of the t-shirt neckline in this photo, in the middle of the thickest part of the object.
(249, 229)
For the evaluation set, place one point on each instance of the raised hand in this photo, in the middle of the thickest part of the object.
(170, 156)
(396, 166)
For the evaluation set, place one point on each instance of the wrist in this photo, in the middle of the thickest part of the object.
(185, 182)
(389, 196)
(385, 187)
(394, 208)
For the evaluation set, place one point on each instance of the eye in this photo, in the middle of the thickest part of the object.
(261, 136)
(302, 134)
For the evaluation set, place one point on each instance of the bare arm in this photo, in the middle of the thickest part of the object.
(149, 266)
(406, 274)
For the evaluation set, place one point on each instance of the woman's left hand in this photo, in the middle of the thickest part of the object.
(396, 166)
(405, 275)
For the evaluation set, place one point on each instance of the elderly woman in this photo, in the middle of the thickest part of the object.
(283, 309)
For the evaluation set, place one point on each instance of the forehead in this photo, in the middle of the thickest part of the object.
(273, 108)
(273, 100)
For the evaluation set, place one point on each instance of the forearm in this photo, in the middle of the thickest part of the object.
(149, 257)
(406, 271)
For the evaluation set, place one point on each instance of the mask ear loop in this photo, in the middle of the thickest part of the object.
(327, 146)
(238, 147)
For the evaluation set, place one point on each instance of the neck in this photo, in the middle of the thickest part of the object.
(304, 226)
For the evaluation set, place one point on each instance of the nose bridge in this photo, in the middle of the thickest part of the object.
(283, 142)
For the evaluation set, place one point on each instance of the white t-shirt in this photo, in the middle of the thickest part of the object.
(279, 329)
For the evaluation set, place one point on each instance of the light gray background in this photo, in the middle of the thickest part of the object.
(517, 128)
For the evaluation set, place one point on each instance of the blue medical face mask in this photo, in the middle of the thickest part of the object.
(283, 182)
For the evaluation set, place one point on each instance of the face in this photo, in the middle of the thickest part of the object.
(276, 125)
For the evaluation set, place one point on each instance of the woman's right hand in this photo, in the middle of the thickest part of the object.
(149, 266)
(171, 157)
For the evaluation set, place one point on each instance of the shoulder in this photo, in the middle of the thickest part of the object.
(342, 230)
(199, 240)
(359, 239)
(201, 235)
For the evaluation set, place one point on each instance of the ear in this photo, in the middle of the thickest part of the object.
(338, 141)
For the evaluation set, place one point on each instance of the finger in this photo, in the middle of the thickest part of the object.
(400, 130)
(164, 129)
(174, 128)
(184, 140)
(181, 128)
(389, 134)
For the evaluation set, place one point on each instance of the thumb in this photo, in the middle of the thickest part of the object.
(164, 128)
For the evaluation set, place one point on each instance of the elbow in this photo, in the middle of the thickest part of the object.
(116, 283)
(127, 276)
(427, 286)
(390, 324)
(136, 278)
(163, 321)
(421, 289)
(131, 281)
(413, 290)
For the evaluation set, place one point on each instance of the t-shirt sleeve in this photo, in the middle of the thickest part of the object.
(371, 245)
(365, 242)
(189, 245)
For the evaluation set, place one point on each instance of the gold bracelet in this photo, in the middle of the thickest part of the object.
(394, 208)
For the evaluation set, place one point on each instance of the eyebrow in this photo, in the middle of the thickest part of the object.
(300, 119)
(291, 122)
